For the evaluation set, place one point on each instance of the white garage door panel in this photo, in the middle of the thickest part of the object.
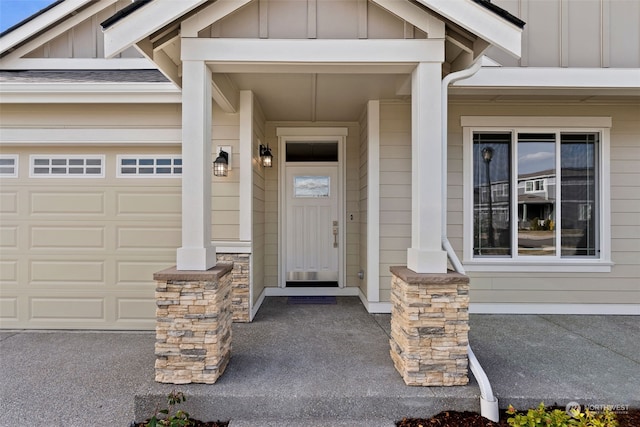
(9, 237)
(148, 238)
(157, 205)
(81, 253)
(131, 272)
(9, 308)
(67, 237)
(9, 202)
(66, 309)
(67, 203)
(65, 272)
(9, 271)
(136, 309)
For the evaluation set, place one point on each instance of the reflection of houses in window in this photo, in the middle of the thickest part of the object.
(534, 185)
(536, 198)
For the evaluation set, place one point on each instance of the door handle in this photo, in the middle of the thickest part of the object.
(335, 234)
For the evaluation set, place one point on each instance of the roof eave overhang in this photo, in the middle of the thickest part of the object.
(481, 22)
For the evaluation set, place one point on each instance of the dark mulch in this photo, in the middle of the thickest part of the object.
(195, 423)
(473, 419)
(448, 419)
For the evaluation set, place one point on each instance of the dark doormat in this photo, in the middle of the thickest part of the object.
(312, 300)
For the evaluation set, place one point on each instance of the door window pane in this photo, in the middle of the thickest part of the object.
(311, 186)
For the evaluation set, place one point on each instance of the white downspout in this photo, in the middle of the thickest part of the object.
(488, 402)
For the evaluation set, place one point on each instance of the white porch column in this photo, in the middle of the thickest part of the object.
(196, 252)
(425, 254)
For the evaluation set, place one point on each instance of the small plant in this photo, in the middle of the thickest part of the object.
(166, 417)
(542, 417)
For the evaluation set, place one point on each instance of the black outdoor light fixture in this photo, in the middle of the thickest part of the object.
(265, 156)
(221, 164)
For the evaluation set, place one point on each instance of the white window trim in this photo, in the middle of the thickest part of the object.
(100, 157)
(153, 175)
(601, 125)
(16, 164)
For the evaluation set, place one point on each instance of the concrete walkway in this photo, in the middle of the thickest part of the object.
(316, 365)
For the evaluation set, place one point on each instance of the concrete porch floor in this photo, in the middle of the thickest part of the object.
(316, 365)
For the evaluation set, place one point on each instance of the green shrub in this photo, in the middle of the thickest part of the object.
(166, 418)
(542, 417)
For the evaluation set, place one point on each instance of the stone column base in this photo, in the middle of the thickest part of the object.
(429, 327)
(193, 324)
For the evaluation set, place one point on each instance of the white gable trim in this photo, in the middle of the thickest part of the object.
(149, 19)
(56, 30)
(601, 78)
(218, 10)
(480, 21)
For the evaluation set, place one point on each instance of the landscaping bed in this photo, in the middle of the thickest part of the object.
(630, 418)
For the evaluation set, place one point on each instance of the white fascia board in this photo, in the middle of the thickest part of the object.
(92, 136)
(313, 51)
(520, 77)
(79, 64)
(143, 22)
(92, 93)
(481, 22)
(216, 11)
(38, 23)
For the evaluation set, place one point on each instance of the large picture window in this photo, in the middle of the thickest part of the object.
(535, 195)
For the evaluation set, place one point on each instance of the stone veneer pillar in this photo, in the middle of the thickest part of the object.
(240, 284)
(193, 324)
(429, 327)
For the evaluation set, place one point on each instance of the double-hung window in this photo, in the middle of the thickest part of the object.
(536, 194)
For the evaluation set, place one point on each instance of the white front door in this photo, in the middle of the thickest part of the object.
(312, 225)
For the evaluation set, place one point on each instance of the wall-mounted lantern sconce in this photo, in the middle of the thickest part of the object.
(221, 164)
(265, 156)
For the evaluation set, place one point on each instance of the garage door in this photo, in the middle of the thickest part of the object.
(82, 231)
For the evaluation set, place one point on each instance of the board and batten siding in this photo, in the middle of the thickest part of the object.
(622, 284)
(575, 33)
(322, 19)
(395, 189)
(84, 40)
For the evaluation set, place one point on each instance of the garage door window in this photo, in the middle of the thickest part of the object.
(66, 166)
(9, 165)
(149, 166)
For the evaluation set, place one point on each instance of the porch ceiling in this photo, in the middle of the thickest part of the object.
(318, 97)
